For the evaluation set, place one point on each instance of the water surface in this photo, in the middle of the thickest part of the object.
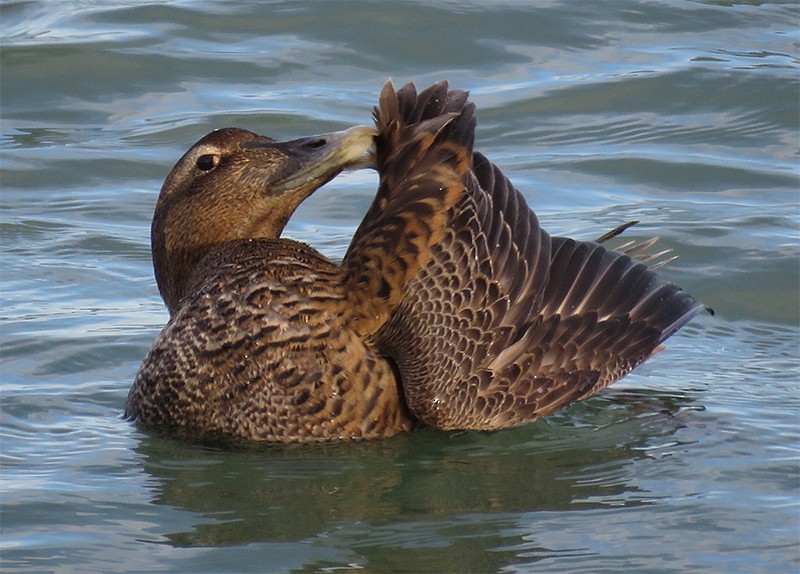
(682, 115)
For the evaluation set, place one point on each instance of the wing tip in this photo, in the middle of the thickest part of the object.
(693, 308)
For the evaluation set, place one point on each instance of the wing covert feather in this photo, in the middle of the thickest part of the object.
(422, 154)
(505, 323)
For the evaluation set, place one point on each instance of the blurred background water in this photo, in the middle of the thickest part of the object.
(683, 115)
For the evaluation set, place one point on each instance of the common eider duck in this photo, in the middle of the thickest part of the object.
(452, 307)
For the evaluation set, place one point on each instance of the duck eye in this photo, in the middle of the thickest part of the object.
(207, 161)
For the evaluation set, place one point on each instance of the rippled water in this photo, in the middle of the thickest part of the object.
(683, 115)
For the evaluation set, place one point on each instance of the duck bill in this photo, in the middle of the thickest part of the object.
(313, 161)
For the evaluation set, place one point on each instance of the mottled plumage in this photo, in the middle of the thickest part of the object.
(452, 307)
(267, 339)
(506, 323)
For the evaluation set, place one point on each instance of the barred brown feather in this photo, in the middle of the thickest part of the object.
(452, 305)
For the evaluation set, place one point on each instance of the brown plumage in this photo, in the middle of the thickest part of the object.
(267, 339)
(507, 324)
(451, 307)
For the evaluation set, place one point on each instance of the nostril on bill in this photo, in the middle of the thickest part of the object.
(315, 143)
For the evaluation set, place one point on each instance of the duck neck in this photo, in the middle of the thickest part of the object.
(178, 251)
(173, 267)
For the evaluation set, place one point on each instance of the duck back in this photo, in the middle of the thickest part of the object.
(260, 349)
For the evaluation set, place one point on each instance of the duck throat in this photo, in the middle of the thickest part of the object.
(172, 266)
(179, 249)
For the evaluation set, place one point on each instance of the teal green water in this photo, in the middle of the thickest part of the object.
(683, 115)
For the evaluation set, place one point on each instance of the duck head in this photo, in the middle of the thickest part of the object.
(235, 184)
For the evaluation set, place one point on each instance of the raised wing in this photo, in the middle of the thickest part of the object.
(423, 153)
(505, 324)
